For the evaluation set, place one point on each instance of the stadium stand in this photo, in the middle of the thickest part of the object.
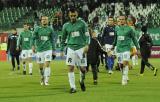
(14, 13)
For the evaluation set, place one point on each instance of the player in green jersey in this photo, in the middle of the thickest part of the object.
(43, 43)
(24, 41)
(131, 22)
(75, 33)
(125, 35)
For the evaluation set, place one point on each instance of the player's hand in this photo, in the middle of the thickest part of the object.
(86, 49)
(33, 49)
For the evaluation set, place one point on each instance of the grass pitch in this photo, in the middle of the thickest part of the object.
(15, 87)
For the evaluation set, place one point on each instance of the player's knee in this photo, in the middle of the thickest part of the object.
(83, 69)
(47, 64)
(41, 66)
(71, 68)
(29, 59)
(125, 63)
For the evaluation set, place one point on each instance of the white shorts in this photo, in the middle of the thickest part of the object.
(44, 56)
(26, 54)
(76, 57)
(124, 56)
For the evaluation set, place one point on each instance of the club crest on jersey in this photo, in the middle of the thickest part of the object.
(75, 34)
(44, 38)
(120, 37)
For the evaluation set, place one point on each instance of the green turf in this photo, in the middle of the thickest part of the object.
(15, 87)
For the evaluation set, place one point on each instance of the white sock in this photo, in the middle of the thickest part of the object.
(126, 69)
(136, 59)
(46, 74)
(123, 74)
(133, 60)
(24, 67)
(80, 75)
(71, 77)
(30, 67)
(49, 71)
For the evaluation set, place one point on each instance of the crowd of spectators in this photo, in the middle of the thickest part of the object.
(88, 9)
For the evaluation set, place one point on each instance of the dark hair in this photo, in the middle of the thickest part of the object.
(144, 28)
(72, 9)
(14, 28)
(132, 18)
(111, 17)
(25, 23)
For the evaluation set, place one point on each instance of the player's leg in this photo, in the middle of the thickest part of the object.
(125, 72)
(82, 60)
(47, 68)
(24, 59)
(41, 65)
(121, 66)
(126, 58)
(136, 59)
(133, 60)
(47, 72)
(24, 66)
(40, 61)
(87, 68)
(82, 78)
(120, 61)
(133, 55)
(30, 64)
(71, 77)
(70, 62)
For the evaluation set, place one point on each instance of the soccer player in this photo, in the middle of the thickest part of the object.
(108, 37)
(124, 36)
(75, 33)
(24, 40)
(43, 44)
(11, 48)
(131, 22)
